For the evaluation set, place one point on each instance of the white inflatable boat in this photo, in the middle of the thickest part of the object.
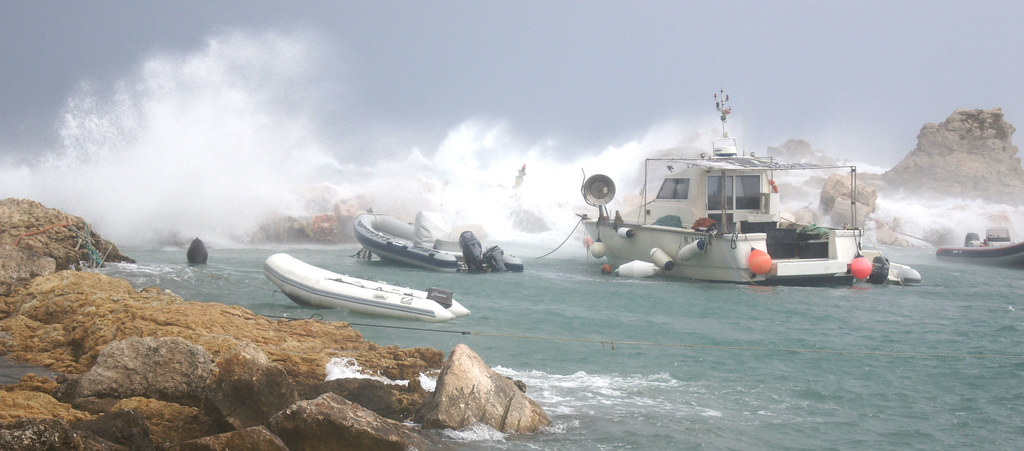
(306, 284)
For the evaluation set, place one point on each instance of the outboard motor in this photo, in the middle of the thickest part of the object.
(472, 251)
(495, 257)
(879, 270)
(196, 254)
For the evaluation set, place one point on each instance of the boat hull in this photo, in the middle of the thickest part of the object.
(309, 285)
(725, 258)
(1012, 255)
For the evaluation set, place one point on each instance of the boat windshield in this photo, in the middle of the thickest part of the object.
(741, 192)
(675, 188)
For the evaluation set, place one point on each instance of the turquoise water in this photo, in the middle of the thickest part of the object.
(663, 364)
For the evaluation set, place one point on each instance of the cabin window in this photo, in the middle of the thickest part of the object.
(748, 192)
(747, 189)
(675, 189)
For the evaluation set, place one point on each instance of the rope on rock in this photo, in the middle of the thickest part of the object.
(18, 240)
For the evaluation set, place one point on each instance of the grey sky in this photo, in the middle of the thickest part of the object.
(851, 77)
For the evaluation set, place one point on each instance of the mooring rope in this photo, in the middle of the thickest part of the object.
(566, 238)
(613, 343)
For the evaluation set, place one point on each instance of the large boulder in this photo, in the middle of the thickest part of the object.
(969, 155)
(836, 194)
(469, 392)
(331, 422)
(168, 369)
(247, 388)
(19, 266)
(68, 239)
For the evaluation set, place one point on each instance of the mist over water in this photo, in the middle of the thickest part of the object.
(214, 142)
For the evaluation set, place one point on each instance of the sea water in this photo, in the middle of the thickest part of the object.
(660, 363)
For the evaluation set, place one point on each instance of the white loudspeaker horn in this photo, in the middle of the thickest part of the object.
(598, 190)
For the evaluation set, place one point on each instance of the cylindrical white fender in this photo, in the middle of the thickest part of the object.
(637, 268)
(662, 259)
(688, 252)
(597, 249)
(625, 232)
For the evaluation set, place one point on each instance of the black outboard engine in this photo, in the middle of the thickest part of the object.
(196, 254)
(495, 257)
(879, 270)
(472, 251)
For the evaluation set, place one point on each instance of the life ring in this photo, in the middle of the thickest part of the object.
(775, 188)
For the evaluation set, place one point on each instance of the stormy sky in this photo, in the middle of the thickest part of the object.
(857, 79)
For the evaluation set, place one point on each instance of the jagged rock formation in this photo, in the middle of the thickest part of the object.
(969, 155)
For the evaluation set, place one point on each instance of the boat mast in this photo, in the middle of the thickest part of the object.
(722, 105)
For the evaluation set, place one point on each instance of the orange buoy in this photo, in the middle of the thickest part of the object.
(760, 262)
(860, 267)
(587, 242)
(606, 269)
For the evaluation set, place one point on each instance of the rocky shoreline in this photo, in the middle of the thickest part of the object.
(146, 369)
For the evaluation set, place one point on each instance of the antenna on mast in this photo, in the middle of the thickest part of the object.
(722, 105)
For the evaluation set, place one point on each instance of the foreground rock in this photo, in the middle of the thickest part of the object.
(67, 239)
(969, 155)
(468, 392)
(330, 420)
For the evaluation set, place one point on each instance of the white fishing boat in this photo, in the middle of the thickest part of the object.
(309, 285)
(717, 218)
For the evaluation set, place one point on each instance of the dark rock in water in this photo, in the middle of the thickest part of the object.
(196, 252)
(121, 427)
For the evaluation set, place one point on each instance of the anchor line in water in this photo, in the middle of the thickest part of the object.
(563, 241)
(613, 343)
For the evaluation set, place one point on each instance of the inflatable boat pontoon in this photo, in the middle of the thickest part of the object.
(309, 285)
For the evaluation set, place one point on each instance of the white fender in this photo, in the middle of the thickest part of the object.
(662, 259)
(625, 233)
(637, 268)
(597, 249)
(688, 252)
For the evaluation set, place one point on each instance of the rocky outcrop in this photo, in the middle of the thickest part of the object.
(969, 155)
(68, 239)
(122, 427)
(67, 318)
(836, 194)
(469, 392)
(325, 422)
